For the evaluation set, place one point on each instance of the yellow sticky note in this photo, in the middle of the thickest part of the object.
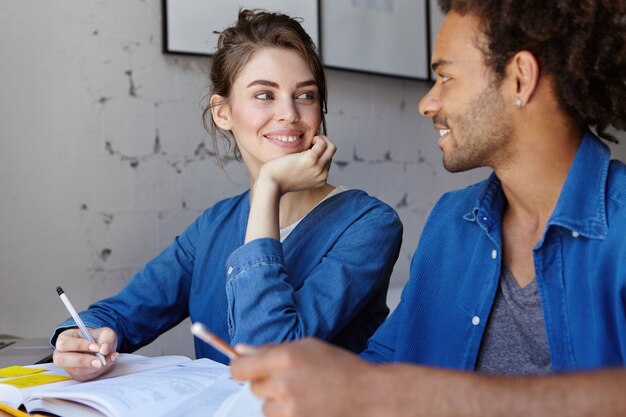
(13, 371)
(34, 380)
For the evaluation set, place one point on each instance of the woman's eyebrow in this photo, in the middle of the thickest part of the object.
(305, 83)
(263, 82)
(272, 84)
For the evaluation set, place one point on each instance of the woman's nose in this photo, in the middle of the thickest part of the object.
(287, 111)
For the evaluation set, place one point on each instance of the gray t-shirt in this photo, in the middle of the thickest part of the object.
(515, 341)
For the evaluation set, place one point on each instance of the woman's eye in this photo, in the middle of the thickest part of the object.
(263, 96)
(307, 95)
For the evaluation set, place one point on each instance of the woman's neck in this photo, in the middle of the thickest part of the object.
(294, 206)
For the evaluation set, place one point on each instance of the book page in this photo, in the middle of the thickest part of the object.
(241, 403)
(13, 390)
(207, 403)
(10, 395)
(156, 392)
(63, 407)
(131, 363)
(126, 364)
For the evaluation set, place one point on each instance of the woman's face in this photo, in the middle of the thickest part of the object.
(274, 107)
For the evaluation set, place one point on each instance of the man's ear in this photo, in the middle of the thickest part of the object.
(525, 71)
(220, 110)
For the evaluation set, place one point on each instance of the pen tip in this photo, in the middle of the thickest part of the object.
(59, 290)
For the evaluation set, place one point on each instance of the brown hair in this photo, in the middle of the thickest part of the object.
(257, 29)
(582, 43)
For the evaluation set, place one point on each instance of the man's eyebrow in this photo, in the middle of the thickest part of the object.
(275, 85)
(439, 63)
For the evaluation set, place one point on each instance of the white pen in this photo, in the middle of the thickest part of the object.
(198, 330)
(79, 322)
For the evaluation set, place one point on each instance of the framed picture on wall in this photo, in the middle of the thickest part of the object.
(189, 25)
(389, 37)
(436, 17)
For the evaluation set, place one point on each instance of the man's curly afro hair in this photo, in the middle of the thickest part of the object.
(581, 43)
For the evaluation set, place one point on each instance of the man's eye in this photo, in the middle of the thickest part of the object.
(444, 78)
(263, 96)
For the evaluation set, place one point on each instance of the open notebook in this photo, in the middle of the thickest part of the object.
(160, 386)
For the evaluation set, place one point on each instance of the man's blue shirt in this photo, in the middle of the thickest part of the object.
(580, 267)
(327, 279)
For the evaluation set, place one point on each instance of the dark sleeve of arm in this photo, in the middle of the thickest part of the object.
(381, 346)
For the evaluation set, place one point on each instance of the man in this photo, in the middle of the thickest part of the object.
(520, 279)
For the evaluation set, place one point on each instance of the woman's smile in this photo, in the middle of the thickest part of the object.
(292, 138)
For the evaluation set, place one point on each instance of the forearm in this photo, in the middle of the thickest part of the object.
(154, 300)
(259, 282)
(263, 218)
(417, 391)
(358, 255)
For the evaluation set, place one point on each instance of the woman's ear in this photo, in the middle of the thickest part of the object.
(220, 110)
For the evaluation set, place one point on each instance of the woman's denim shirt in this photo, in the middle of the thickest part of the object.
(328, 279)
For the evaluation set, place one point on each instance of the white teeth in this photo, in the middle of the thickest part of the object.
(443, 132)
(286, 138)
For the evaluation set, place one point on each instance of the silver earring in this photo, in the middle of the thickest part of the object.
(519, 103)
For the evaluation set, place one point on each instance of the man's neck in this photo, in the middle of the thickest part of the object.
(532, 180)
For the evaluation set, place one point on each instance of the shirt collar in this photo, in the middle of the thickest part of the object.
(581, 204)
(490, 204)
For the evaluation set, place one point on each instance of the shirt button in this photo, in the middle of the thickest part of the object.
(475, 320)
(575, 234)
(230, 270)
(494, 254)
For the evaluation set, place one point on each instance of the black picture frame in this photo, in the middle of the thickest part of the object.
(189, 25)
(384, 37)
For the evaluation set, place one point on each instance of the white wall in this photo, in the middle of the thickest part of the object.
(103, 160)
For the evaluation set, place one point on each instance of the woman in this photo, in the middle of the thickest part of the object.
(292, 257)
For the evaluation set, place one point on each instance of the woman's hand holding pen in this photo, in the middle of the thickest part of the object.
(76, 355)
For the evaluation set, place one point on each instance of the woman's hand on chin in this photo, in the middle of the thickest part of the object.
(300, 171)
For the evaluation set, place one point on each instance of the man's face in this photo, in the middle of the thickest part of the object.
(465, 103)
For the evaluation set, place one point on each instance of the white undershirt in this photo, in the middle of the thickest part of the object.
(285, 231)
